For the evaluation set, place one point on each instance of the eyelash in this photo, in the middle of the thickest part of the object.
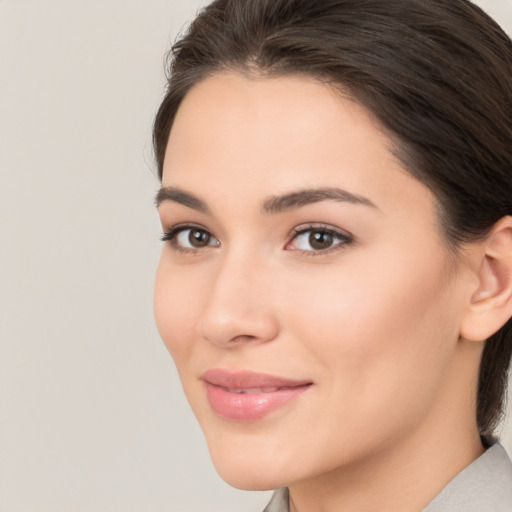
(344, 239)
(171, 236)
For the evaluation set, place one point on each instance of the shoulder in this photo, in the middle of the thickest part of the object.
(486, 484)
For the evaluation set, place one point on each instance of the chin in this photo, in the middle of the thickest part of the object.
(251, 477)
(247, 464)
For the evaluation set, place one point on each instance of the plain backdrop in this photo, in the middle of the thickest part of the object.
(92, 416)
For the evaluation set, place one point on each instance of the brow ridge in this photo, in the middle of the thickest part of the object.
(272, 205)
(300, 198)
(177, 195)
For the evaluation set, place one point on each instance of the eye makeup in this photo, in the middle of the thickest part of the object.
(312, 239)
(189, 238)
(320, 238)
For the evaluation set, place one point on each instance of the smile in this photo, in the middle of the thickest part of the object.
(248, 396)
(252, 391)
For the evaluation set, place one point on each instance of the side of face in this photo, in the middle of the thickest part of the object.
(354, 295)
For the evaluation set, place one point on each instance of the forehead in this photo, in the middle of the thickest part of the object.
(273, 135)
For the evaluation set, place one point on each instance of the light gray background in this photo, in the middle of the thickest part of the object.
(92, 417)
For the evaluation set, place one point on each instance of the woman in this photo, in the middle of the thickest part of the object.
(336, 281)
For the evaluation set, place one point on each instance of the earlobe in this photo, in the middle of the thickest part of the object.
(490, 306)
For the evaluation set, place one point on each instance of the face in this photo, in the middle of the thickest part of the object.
(304, 289)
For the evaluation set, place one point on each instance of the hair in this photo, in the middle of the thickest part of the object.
(436, 74)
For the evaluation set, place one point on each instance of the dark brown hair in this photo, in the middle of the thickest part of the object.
(436, 73)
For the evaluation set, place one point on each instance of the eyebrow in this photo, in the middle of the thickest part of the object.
(272, 205)
(179, 196)
(294, 200)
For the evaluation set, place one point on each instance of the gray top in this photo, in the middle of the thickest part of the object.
(484, 486)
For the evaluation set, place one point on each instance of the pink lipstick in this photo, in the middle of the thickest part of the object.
(249, 396)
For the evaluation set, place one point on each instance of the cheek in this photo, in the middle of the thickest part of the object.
(174, 309)
(377, 328)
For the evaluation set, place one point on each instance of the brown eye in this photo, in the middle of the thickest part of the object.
(190, 238)
(320, 240)
(198, 238)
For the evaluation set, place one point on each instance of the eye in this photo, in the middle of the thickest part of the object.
(319, 239)
(189, 238)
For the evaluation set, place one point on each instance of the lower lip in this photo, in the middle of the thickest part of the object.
(250, 406)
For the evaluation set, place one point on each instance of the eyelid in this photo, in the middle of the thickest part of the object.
(345, 238)
(170, 235)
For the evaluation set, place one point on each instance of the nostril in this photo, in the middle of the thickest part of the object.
(244, 338)
(232, 314)
(241, 338)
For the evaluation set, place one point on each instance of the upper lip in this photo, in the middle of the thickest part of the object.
(248, 380)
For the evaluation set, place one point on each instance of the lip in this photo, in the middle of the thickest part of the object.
(249, 396)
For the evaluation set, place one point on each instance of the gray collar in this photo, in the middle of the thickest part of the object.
(484, 486)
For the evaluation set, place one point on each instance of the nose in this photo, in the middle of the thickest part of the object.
(239, 308)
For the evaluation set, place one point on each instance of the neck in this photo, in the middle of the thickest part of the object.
(402, 481)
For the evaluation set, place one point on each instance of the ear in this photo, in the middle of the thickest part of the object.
(490, 306)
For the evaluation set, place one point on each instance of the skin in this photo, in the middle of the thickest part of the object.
(374, 321)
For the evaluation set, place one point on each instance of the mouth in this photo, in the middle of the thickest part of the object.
(248, 396)
(254, 391)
